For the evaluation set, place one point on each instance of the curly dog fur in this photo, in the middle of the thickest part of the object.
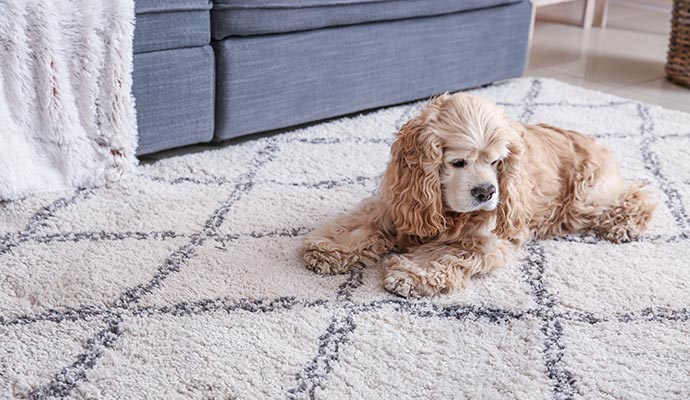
(465, 188)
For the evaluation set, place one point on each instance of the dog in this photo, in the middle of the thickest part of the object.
(465, 188)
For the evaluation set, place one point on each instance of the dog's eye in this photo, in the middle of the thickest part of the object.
(458, 163)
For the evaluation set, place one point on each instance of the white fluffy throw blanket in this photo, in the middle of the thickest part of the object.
(67, 115)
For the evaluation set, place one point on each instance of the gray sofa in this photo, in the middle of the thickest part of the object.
(206, 73)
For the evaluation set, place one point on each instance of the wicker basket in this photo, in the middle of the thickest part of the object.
(678, 64)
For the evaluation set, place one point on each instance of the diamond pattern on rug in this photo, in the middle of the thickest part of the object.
(600, 121)
(627, 151)
(136, 205)
(628, 361)
(32, 354)
(676, 156)
(664, 223)
(15, 215)
(295, 206)
(584, 276)
(208, 167)
(425, 362)
(76, 270)
(232, 357)
(266, 267)
(340, 161)
(186, 280)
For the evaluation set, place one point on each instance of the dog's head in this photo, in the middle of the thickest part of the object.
(460, 155)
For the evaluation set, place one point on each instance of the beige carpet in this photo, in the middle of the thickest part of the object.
(185, 281)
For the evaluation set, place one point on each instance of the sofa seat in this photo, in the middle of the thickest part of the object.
(259, 17)
(174, 73)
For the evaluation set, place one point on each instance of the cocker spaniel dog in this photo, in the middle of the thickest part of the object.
(465, 188)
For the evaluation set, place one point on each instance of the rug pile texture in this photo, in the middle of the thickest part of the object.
(67, 117)
(185, 280)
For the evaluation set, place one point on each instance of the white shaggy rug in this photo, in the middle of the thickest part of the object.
(185, 281)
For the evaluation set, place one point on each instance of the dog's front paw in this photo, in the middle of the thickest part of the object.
(621, 234)
(407, 279)
(325, 260)
(402, 283)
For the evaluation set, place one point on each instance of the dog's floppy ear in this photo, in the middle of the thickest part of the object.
(513, 212)
(412, 183)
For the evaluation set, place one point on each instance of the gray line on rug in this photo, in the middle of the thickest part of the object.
(288, 232)
(283, 232)
(228, 305)
(651, 161)
(184, 308)
(467, 312)
(218, 181)
(564, 381)
(76, 237)
(613, 135)
(568, 104)
(529, 100)
(652, 314)
(593, 240)
(171, 265)
(675, 136)
(354, 280)
(210, 181)
(335, 140)
(316, 372)
(608, 104)
(533, 269)
(84, 313)
(463, 312)
(63, 382)
(649, 314)
(328, 184)
(37, 220)
(245, 184)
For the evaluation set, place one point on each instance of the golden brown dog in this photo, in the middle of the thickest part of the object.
(465, 188)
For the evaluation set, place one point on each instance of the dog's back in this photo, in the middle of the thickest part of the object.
(570, 173)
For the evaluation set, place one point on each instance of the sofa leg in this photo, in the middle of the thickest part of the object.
(588, 16)
(534, 18)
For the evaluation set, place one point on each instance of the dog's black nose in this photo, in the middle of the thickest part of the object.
(483, 192)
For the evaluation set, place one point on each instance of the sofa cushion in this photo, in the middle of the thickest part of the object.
(267, 82)
(149, 6)
(256, 17)
(171, 24)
